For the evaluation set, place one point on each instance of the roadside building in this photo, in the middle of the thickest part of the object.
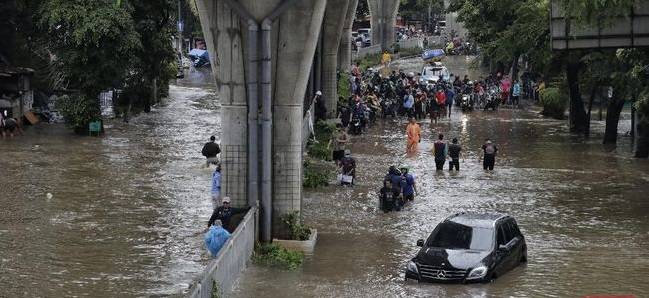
(16, 95)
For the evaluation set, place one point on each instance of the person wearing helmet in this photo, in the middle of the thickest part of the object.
(408, 185)
(386, 196)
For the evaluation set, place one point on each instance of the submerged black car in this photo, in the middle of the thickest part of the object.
(469, 247)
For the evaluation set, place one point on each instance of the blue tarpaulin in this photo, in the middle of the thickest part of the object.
(430, 54)
(199, 57)
(215, 238)
(199, 53)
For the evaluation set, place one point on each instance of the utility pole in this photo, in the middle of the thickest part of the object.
(180, 30)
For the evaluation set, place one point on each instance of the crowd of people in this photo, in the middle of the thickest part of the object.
(405, 94)
(402, 94)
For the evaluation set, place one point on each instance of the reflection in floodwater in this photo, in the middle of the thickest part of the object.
(583, 210)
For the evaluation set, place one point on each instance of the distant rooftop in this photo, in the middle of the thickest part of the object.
(10, 71)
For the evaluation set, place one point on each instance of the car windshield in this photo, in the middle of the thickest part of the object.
(452, 235)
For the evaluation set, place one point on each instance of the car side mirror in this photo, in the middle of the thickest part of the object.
(420, 242)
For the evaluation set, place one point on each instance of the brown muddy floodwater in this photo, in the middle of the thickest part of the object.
(583, 208)
(125, 210)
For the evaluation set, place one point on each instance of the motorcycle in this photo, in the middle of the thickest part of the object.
(356, 126)
(493, 99)
(389, 108)
(466, 103)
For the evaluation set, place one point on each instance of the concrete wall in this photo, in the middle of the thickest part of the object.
(411, 43)
(362, 52)
(230, 262)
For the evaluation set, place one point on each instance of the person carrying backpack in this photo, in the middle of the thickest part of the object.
(490, 151)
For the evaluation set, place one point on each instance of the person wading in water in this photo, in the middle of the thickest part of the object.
(414, 135)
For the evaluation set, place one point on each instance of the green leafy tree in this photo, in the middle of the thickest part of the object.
(151, 65)
(506, 30)
(92, 41)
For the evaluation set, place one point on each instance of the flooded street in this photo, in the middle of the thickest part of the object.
(126, 207)
(584, 212)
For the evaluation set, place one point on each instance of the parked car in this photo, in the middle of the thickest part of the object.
(469, 247)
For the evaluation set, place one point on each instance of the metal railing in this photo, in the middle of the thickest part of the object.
(224, 270)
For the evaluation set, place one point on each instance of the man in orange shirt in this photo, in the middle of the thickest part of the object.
(414, 135)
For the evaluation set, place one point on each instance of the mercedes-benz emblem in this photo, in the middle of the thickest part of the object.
(441, 274)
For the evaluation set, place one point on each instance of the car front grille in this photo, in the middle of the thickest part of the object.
(439, 273)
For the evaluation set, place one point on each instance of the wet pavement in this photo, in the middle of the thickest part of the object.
(582, 207)
(126, 207)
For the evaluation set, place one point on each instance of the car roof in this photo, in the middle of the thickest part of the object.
(475, 219)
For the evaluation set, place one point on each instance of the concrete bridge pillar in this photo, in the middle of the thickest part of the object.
(383, 19)
(345, 48)
(225, 43)
(333, 24)
(293, 38)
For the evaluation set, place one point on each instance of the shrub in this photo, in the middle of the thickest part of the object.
(642, 104)
(277, 256)
(297, 229)
(314, 178)
(344, 88)
(323, 134)
(368, 61)
(555, 102)
(78, 112)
